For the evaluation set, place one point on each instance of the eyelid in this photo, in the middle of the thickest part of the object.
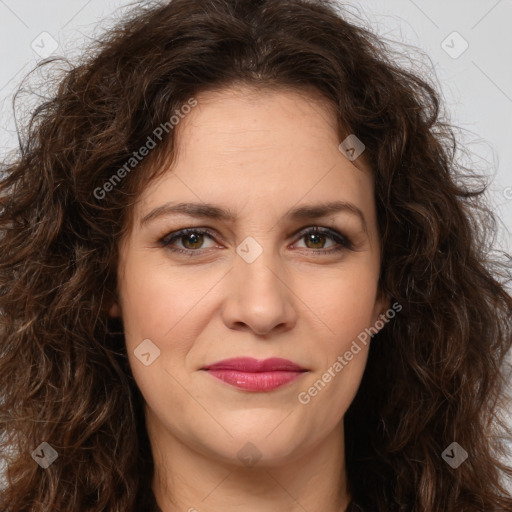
(343, 242)
(332, 233)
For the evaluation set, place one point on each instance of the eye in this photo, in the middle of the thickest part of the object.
(192, 240)
(316, 236)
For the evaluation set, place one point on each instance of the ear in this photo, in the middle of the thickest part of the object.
(111, 304)
(382, 306)
(114, 310)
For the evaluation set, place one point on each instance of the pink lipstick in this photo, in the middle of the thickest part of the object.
(255, 375)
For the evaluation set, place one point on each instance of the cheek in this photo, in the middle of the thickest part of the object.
(354, 309)
(158, 300)
(170, 308)
(347, 309)
(344, 301)
(156, 307)
(329, 391)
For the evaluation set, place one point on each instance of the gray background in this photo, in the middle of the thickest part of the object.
(476, 86)
(476, 82)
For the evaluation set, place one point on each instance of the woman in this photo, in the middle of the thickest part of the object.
(242, 270)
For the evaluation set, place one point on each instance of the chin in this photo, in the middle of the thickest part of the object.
(261, 446)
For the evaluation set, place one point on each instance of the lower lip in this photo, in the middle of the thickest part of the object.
(261, 381)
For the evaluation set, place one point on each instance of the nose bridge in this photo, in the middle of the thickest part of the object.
(258, 295)
(255, 269)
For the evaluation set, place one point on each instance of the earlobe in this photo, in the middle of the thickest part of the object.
(384, 305)
(115, 310)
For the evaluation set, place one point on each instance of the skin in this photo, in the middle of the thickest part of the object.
(258, 153)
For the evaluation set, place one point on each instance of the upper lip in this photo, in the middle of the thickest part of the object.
(251, 365)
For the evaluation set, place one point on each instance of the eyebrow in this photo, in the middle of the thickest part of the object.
(211, 211)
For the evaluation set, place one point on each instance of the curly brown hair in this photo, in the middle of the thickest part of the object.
(435, 375)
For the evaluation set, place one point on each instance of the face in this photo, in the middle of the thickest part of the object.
(278, 275)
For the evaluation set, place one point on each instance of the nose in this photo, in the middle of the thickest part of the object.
(258, 296)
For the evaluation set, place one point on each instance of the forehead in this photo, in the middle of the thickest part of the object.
(239, 145)
(247, 116)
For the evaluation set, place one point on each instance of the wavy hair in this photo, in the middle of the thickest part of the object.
(435, 375)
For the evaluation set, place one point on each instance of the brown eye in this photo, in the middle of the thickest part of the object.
(191, 240)
(315, 239)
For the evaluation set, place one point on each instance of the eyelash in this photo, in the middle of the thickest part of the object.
(343, 241)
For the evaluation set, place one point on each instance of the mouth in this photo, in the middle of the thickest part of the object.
(255, 375)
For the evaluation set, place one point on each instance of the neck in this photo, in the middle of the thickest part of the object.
(187, 480)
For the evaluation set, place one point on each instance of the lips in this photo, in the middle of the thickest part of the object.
(255, 375)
